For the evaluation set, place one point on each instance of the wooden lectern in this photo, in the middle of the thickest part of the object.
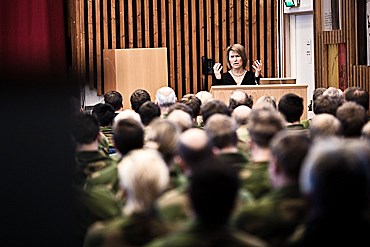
(126, 70)
(276, 90)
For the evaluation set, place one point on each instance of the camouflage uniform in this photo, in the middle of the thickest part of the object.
(108, 132)
(200, 235)
(255, 178)
(103, 144)
(134, 230)
(275, 216)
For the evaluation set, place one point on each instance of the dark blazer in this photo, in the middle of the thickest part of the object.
(227, 79)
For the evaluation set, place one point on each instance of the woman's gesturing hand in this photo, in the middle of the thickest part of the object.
(217, 69)
(257, 66)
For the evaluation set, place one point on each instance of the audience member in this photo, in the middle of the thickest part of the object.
(213, 107)
(291, 107)
(239, 97)
(165, 97)
(182, 107)
(149, 111)
(352, 117)
(114, 98)
(139, 97)
(275, 216)
(194, 103)
(365, 132)
(326, 104)
(143, 177)
(335, 179)
(335, 93)
(266, 101)
(212, 193)
(125, 114)
(324, 125)
(358, 95)
(241, 115)
(316, 93)
(181, 118)
(105, 114)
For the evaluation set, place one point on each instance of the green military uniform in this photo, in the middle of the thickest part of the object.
(306, 123)
(134, 230)
(243, 140)
(103, 144)
(255, 178)
(275, 216)
(108, 133)
(200, 235)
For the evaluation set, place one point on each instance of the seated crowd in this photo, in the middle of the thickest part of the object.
(194, 171)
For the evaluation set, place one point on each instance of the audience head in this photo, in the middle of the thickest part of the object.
(335, 93)
(221, 130)
(128, 135)
(194, 148)
(163, 135)
(182, 107)
(335, 167)
(352, 117)
(165, 97)
(365, 133)
(125, 115)
(358, 95)
(288, 150)
(317, 92)
(326, 104)
(241, 114)
(143, 177)
(213, 192)
(114, 98)
(239, 49)
(104, 113)
(85, 128)
(266, 101)
(204, 96)
(213, 107)
(263, 125)
(238, 98)
(181, 119)
(139, 97)
(193, 102)
(149, 111)
(291, 106)
(324, 125)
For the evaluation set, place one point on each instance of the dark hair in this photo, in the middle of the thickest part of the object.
(149, 111)
(128, 135)
(193, 102)
(114, 98)
(213, 192)
(358, 95)
(291, 106)
(352, 117)
(248, 101)
(182, 107)
(139, 97)
(104, 113)
(325, 104)
(213, 107)
(85, 128)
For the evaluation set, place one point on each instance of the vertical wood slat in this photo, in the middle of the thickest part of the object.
(74, 26)
(99, 83)
(221, 23)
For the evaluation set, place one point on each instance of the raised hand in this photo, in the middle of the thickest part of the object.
(217, 69)
(257, 66)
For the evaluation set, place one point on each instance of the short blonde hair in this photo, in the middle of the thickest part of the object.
(238, 48)
(143, 176)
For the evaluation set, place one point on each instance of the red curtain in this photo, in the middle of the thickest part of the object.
(32, 37)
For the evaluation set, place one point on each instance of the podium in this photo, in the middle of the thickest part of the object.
(126, 70)
(276, 90)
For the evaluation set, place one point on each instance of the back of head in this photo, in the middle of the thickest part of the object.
(325, 104)
(241, 114)
(139, 97)
(334, 93)
(128, 135)
(164, 136)
(266, 101)
(182, 107)
(325, 125)
(352, 117)
(365, 132)
(165, 97)
(213, 107)
(291, 106)
(358, 95)
(317, 92)
(182, 119)
(104, 113)
(85, 128)
(204, 96)
(149, 111)
(143, 176)
(238, 98)
(290, 148)
(335, 176)
(213, 192)
(114, 98)
(125, 115)
(194, 148)
(193, 102)
(221, 130)
(263, 125)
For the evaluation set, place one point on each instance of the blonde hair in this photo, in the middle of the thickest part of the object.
(238, 48)
(143, 176)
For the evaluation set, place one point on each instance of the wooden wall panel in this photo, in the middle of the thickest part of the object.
(190, 29)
